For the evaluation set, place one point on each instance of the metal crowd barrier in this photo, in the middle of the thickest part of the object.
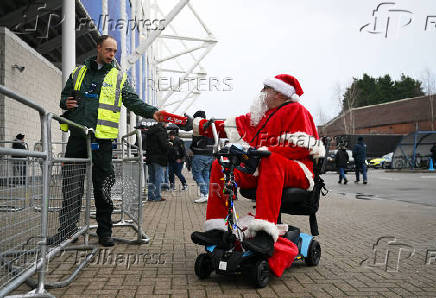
(13, 174)
(129, 183)
(24, 233)
(55, 177)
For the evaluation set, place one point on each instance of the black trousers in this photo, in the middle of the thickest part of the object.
(19, 171)
(103, 178)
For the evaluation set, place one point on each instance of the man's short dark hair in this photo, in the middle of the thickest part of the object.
(102, 38)
(360, 139)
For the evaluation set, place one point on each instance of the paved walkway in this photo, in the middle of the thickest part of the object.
(369, 248)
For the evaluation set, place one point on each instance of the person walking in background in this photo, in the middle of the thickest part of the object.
(433, 154)
(201, 161)
(176, 156)
(341, 160)
(157, 160)
(165, 186)
(19, 166)
(188, 158)
(359, 155)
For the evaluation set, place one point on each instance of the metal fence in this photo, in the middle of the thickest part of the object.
(30, 235)
(127, 190)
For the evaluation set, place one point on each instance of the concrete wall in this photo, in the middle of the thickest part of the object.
(40, 81)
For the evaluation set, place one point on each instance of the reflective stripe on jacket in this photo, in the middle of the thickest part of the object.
(110, 101)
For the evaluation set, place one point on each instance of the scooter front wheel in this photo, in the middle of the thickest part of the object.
(261, 274)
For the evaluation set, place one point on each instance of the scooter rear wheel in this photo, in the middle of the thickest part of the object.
(203, 266)
(313, 253)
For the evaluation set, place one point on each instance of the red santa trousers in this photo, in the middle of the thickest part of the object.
(275, 173)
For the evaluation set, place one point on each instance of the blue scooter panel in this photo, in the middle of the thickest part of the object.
(305, 242)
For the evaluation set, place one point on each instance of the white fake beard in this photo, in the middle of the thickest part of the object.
(258, 108)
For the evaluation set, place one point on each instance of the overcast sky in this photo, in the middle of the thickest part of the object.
(319, 42)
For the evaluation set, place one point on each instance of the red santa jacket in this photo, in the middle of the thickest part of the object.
(290, 132)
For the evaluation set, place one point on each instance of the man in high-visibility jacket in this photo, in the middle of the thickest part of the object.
(93, 96)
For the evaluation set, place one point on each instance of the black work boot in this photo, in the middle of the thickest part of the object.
(106, 241)
(263, 243)
(212, 237)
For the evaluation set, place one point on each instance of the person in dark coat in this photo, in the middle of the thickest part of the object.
(19, 165)
(359, 155)
(176, 159)
(156, 159)
(433, 154)
(202, 159)
(341, 160)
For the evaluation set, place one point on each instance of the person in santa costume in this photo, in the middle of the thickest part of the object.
(277, 122)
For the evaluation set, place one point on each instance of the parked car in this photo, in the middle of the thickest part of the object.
(331, 163)
(382, 162)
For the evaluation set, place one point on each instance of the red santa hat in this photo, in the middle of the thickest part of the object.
(286, 85)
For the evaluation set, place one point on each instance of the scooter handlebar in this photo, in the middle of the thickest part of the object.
(259, 153)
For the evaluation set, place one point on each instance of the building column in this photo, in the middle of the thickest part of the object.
(68, 47)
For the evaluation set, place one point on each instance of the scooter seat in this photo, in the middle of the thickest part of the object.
(293, 234)
(290, 195)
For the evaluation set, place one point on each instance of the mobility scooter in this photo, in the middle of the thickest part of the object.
(233, 258)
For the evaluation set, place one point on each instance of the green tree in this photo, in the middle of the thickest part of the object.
(408, 87)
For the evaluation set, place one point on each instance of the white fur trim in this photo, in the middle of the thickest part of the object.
(303, 140)
(196, 126)
(263, 225)
(308, 173)
(318, 150)
(280, 86)
(215, 224)
(295, 97)
(232, 132)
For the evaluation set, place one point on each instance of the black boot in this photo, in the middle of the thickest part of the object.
(263, 243)
(106, 241)
(345, 181)
(212, 237)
